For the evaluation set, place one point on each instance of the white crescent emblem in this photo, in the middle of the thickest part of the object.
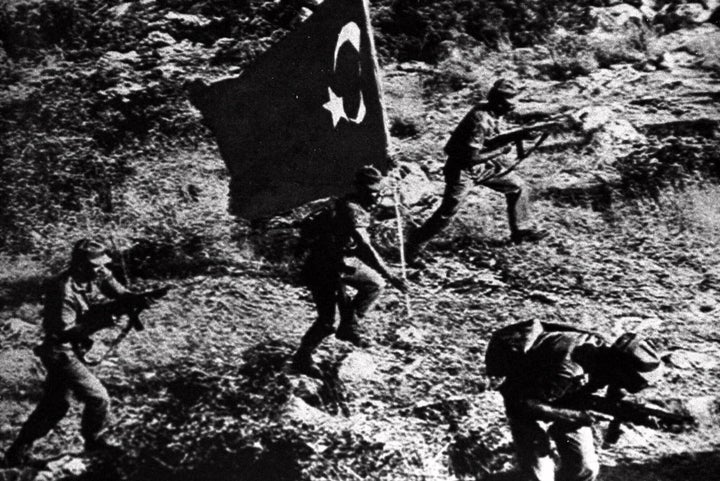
(350, 33)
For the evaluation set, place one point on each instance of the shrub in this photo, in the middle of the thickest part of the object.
(677, 163)
(571, 56)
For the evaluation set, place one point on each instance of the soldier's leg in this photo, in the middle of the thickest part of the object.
(53, 406)
(533, 451)
(457, 186)
(369, 285)
(324, 294)
(578, 458)
(90, 391)
(516, 195)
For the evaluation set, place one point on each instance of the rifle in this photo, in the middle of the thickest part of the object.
(523, 133)
(624, 411)
(131, 304)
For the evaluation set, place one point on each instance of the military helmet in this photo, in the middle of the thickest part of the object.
(637, 360)
(91, 252)
(368, 177)
(503, 88)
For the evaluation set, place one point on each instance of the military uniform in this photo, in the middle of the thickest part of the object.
(463, 149)
(336, 262)
(73, 311)
(549, 376)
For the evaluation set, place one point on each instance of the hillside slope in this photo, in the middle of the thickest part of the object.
(203, 393)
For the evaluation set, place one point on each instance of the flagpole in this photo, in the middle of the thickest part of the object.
(401, 241)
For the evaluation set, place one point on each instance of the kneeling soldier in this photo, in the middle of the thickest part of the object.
(559, 373)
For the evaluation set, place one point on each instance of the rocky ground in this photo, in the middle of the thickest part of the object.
(204, 392)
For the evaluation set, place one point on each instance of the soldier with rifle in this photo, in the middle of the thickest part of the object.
(78, 302)
(548, 394)
(477, 153)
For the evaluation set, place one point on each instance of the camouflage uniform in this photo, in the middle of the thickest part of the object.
(464, 145)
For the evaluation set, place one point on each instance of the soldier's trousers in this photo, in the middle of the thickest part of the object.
(575, 445)
(66, 376)
(458, 183)
(329, 291)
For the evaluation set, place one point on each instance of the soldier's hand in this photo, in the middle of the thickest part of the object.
(399, 283)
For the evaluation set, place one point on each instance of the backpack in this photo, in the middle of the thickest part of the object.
(507, 347)
(317, 226)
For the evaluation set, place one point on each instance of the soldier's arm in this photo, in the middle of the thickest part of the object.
(371, 256)
(542, 411)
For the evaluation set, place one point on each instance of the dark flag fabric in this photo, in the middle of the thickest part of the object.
(298, 123)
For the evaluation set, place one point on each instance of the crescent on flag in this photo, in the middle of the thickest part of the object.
(299, 121)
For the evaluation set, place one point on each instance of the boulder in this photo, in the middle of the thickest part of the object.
(157, 39)
(685, 15)
(297, 410)
(685, 359)
(602, 124)
(358, 366)
(615, 18)
(414, 185)
(186, 20)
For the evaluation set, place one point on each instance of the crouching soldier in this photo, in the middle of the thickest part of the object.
(549, 397)
(341, 256)
(75, 307)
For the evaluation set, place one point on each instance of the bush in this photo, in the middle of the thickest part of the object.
(571, 56)
(677, 163)
(415, 30)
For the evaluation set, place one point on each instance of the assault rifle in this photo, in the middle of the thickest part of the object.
(131, 304)
(523, 133)
(519, 134)
(624, 411)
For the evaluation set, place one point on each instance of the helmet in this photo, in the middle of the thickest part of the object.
(637, 362)
(503, 88)
(89, 251)
(368, 177)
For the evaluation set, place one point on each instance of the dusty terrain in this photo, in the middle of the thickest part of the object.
(203, 393)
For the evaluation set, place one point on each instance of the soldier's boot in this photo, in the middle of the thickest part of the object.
(528, 235)
(348, 331)
(302, 361)
(17, 454)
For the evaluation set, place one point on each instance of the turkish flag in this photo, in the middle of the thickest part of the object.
(298, 123)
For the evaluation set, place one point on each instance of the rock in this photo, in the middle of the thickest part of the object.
(19, 370)
(685, 359)
(120, 10)
(16, 326)
(63, 468)
(602, 124)
(616, 17)
(705, 409)
(414, 185)
(111, 58)
(446, 410)
(157, 39)
(686, 15)
(297, 410)
(306, 388)
(358, 366)
(186, 20)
